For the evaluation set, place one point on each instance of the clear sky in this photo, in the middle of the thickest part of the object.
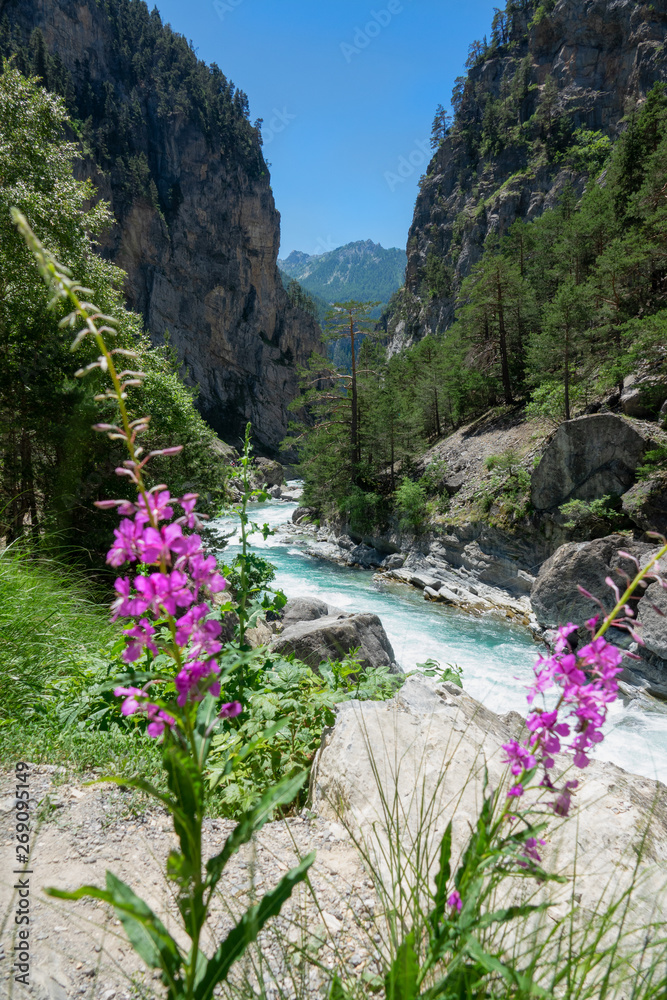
(347, 90)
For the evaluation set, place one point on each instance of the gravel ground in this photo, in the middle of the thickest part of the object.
(79, 949)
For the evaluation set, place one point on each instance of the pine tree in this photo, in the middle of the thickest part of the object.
(440, 127)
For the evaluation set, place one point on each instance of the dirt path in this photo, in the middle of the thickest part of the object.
(79, 949)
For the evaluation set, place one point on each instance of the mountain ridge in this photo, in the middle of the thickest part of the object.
(361, 269)
(560, 76)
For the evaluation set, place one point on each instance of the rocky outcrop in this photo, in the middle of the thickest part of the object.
(555, 596)
(646, 504)
(332, 635)
(398, 771)
(196, 228)
(556, 600)
(269, 472)
(587, 458)
(602, 57)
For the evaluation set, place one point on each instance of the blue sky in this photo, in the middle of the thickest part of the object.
(347, 90)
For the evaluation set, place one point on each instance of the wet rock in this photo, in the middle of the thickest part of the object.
(301, 514)
(303, 609)
(331, 638)
(364, 555)
(587, 458)
(652, 613)
(643, 397)
(393, 561)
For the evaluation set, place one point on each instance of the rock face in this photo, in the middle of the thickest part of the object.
(199, 236)
(332, 636)
(646, 504)
(587, 458)
(652, 613)
(423, 754)
(601, 56)
(555, 597)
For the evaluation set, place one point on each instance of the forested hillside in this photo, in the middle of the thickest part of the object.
(545, 94)
(545, 314)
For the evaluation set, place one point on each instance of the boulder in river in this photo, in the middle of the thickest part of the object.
(587, 458)
(555, 597)
(269, 471)
(396, 772)
(333, 636)
(304, 515)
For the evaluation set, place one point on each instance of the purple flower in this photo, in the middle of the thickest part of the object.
(518, 757)
(141, 636)
(165, 592)
(230, 710)
(157, 544)
(158, 720)
(516, 791)
(127, 539)
(454, 901)
(561, 805)
(130, 705)
(126, 605)
(189, 679)
(529, 850)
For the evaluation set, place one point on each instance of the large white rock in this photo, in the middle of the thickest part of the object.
(397, 772)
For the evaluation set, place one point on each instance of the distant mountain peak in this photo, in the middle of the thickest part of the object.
(361, 270)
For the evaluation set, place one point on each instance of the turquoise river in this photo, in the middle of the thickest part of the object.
(496, 657)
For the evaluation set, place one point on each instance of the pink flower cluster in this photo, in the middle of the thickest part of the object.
(587, 683)
(182, 577)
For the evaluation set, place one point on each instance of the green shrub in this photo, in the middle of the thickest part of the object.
(412, 505)
(288, 705)
(592, 515)
(654, 461)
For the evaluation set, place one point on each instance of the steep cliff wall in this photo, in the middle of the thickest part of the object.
(170, 146)
(525, 128)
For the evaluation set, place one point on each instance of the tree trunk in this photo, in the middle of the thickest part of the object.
(567, 372)
(502, 340)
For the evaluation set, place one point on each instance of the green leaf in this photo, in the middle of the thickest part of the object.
(217, 968)
(401, 981)
(146, 932)
(509, 913)
(280, 794)
(442, 878)
(337, 990)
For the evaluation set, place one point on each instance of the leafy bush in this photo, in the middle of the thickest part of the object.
(412, 505)
(362, 509)
(654, 461)
(593, 515)
(288, 707)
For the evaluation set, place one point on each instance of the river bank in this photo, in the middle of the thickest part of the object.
(496, 654)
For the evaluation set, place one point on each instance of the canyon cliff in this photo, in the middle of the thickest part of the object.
(537, 107)
(167, 142)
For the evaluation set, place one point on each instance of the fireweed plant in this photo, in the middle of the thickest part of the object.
(166, 601)
(440, 951)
